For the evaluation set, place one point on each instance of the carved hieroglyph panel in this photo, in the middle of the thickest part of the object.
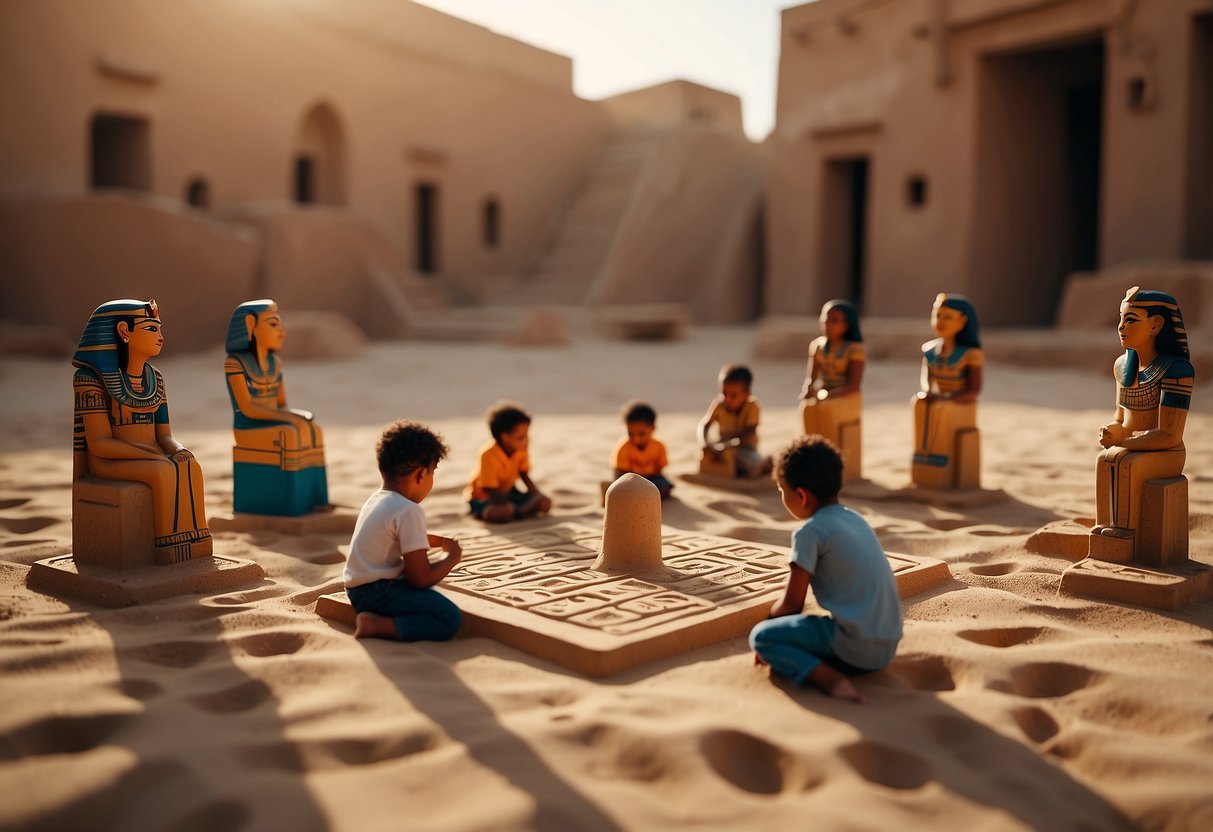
(537, 590)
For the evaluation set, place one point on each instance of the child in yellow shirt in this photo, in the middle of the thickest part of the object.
(492, 493)
(640, 453)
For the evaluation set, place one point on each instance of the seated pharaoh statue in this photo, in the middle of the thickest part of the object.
(831, 402)
(122, 429)
(947, 444)
(278, 459)
(1143, 444)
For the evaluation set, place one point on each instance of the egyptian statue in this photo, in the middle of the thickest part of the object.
(831, 402)
(947, 445)
(278, 459)
(122, 430)
(1141, 466)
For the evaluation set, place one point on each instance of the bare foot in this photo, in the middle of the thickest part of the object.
(835, 684)
(369, 625)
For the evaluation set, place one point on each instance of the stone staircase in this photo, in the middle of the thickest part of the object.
(582, 236)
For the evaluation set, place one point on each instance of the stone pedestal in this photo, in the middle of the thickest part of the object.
(960, 470)
(112, 523)
(1150, 567)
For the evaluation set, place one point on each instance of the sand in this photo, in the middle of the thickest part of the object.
(1009, 706)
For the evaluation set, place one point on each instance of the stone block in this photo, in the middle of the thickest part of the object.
(1069, 539)
(112, 523)
(1163, 538)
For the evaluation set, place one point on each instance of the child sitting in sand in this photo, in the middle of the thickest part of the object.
(491, 493)
(388, 575)
(640, 453)
(735, 413)
(837, 552)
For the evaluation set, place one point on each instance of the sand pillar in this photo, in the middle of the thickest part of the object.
(631, 527)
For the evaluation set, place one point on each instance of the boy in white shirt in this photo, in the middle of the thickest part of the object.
(388, 575)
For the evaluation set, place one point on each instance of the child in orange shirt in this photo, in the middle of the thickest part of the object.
(491, 493)
(640, 453)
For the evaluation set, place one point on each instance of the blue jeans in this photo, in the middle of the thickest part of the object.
(420, 614)
(793, 645)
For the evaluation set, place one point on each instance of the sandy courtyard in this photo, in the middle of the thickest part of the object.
(1009, 706)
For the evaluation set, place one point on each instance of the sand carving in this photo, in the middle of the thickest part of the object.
(137, 493)
(947, 444)
(1141, 494)
(278, 459)
(831, 402)
(547, 592)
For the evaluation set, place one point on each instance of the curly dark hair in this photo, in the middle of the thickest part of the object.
(814, 464)
(637, 411)
(406, 446)
(504, 417)
(738, 373)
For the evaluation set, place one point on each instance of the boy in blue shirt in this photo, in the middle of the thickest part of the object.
(836, 552)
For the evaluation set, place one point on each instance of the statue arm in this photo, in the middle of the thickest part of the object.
(811, 374)
(1168, 434)
(972, 387)
(102, 443)
(240, 395)
(306, 415)
(854, 379)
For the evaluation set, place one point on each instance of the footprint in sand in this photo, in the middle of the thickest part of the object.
(141, 689)
(319, 755)
(924, 672)
(1046, 680)
(756, 766)
(178, 654)
(1036, 723)
(14, 502)
(1005, 637)
(236, 699)
(273, 643)
(887, 766)
(26, 525)
(62, 735)
(994, 570)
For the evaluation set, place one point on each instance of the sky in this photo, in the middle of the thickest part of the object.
(622, 45)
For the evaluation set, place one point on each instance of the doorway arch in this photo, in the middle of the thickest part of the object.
(318, 163)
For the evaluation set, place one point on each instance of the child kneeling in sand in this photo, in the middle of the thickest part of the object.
(837, 552)
(388, 575)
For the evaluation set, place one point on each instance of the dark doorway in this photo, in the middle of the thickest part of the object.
(492, 223)
(198, 193)
(427, 220)
(1036, 201)
(1198, 231)
(120, 148)
(1084, 128)
(305, 180)
(845, 229)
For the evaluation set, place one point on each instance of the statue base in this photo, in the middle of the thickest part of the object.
(61, 575)
(539, 592)
(1166, 588)
(340, 520)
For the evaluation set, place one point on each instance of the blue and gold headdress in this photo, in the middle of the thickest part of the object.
(98, 347)
(238, 330)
